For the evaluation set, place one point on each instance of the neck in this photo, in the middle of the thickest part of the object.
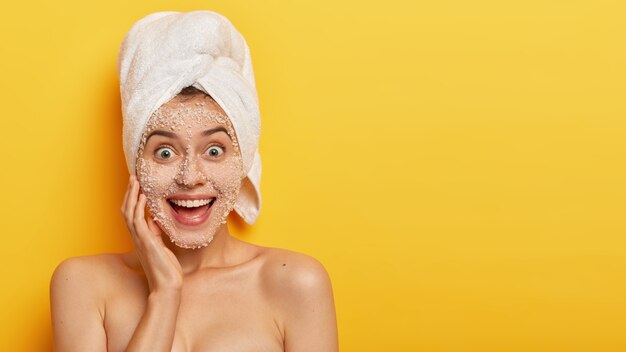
(223, 251)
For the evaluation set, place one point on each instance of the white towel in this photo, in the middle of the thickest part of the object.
(165, 52)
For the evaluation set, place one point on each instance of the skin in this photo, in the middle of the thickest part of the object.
(228, 296)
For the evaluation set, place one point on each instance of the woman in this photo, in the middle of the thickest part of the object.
(189, 285)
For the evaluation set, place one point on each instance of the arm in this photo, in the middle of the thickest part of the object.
(155, 331)
(310, 319)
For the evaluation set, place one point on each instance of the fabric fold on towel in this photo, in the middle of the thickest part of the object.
(165, 52)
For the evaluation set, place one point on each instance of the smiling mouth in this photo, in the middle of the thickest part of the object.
(190, 210)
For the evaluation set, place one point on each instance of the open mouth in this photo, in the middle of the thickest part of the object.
(191, 212)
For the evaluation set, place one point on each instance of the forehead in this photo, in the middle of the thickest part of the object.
(189, 112)
(196, 98)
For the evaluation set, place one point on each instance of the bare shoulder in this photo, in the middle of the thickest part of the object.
(299, 289)
(89, 263)
(289, 275)
(92, 270)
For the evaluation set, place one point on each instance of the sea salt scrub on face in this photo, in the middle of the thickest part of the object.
(190, 169)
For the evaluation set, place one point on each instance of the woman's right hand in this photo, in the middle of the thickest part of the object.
(160, 265)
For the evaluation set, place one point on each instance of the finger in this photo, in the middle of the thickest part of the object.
(156, 231)
(154, 227)
(126, 194)
(150, 243)
(132, 201)
(139, 218)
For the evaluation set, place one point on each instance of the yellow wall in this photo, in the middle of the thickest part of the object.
(458, 166)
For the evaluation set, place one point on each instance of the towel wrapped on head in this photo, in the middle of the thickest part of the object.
(165, 52)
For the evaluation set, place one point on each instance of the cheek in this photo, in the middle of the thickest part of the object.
(155, 179)
(226, 176)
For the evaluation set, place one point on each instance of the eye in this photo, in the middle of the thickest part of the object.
(215, 151)
(164, 153)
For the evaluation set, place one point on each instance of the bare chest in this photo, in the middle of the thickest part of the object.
(219, 313)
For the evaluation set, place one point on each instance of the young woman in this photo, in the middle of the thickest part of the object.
(189, 285)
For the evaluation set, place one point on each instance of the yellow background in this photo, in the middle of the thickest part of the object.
(457, 166)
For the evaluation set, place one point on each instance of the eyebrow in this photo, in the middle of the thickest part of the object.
(174, 136)
(161, 133)
(214, 130)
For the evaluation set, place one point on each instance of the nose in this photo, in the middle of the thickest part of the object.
(190, 173)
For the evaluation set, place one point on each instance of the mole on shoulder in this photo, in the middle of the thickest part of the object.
(284, 264)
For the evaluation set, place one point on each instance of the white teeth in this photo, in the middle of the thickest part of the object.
(191, 203)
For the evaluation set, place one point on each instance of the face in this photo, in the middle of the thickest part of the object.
(189, 167)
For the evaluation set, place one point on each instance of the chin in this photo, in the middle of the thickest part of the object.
(191, 242)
